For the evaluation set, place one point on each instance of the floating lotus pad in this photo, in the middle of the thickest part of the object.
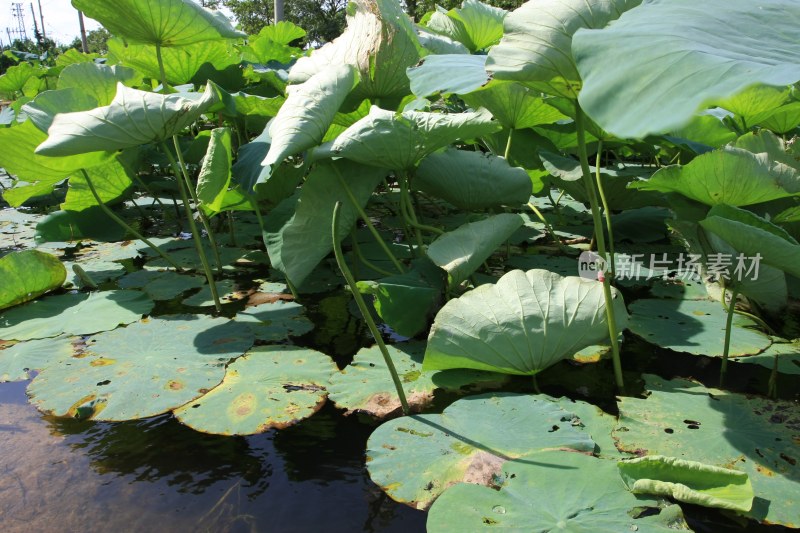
(694, 326)
(270, 387)
(142, 370)
(553, 491)
(688, 481)
(683, 419)
(161, 284)
(366, 385)
(27, 275)
(17, 361)
(73, 314)
(788, 358)
(415, 458)
(226, 288)
(277, 321)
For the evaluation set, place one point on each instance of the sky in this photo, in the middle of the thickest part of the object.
(60, 19)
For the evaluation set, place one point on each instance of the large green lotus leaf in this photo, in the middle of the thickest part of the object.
(730, 176)
(683, 419)
(31, 167)
(143, 370)
(683, 56)
(272, 44)
(270, 184)
(20, 361)
(112, 181)
(167, 23)
(472, 180)
(764, 141)
(448, 73)
(400, 140)
(42, 109)
(438, 44)
(514, 105)
(754, 236)
(73, 314)
(275, 322)
(181, 64)
(553, 491)
(99, 81)
(415, 458)
(536, 49)
(755, 104)
(365, 385)
(282, 32)
(406, 302)
(786, 355)
(476, 25)
(702, 134)
(66, 226)
(460, 252)
(693, 326)
(270, 387)
(215, 172)
(242, 105)
(688, 481)
(27, 275)
(14, 79)
(133, 118)
(161, 284)
(784, 119)
(379, 42)
(523, 324)
(298, 232)
(308, 112)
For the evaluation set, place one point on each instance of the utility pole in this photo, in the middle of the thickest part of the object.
(16, 13)
(84, 44)
(278, 11)
(41, 19)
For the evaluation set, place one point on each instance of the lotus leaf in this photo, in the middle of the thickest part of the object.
(472, 180)
(276, 321)
(731, 176)
(553, 491)
(160, 284)
(142, 370)
(523, 324)
(27, 275)
(98, 81)
(415, 458)
(133, 118)
(73, 314)
(536, 48)
(379, 42)
(169, 23)
(448, 73)
(683, 419)
(476, 25)
(298, 231)
(269, 387)
(688, 481)
(308, 112)
(20, 361)
(400, 140)
(683, 56)
(364, 385)
(462, 251)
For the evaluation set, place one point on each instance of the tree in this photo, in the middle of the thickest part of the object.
(323, 20)
(96, 39)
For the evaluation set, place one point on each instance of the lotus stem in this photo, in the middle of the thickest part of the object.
(370, 225)
(411, 214)
(193, 193)
(362, 306)
(198, 243)
(772, 384)
(161, 70)
(367, 263)
(547, 225)
(606, 210)
(601, 244)
(727, 346)
(508, 144)
(113, 216)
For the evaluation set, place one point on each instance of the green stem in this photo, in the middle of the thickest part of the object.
(772, 384)
(161, 71)
(367, 263)
(203, 219)
(362, 306)
(547, 225)
(125, 225)
(193, 228)
(606, 211)
(404, 211)
(508, 143)
(369, 224)
(601, 244)
(728, 327)
(412, 214)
